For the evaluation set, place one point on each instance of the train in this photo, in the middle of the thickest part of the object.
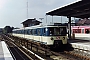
(81, 32)
(49, 35)
(80, 29)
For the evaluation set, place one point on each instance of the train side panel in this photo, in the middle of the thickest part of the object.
(45, 39)
(48, 35)
(81, 32)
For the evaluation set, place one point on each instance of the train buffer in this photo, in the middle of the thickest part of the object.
(4, 52)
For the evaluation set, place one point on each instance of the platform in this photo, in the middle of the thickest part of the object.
(81, 45)
(4, 52)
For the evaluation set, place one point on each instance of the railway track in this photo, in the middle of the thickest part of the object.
(16, 52)
(46, 53)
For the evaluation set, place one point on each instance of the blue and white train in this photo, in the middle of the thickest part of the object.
(47, 34)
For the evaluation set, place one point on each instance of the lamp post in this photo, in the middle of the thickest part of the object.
(27, 9)
(24, 31)
(41, 25)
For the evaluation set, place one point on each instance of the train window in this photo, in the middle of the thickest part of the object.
(27, 31)
(22, 31)
(87, 31)
(56, 31)
(44, 31)
(79, 31)
(38, 31)
(82, 30)
(34, 31)
(51, 31)
(19, 31)
(76, 30)
(31, 32)
(63, 31)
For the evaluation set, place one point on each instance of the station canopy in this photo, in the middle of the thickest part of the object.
(79, 9)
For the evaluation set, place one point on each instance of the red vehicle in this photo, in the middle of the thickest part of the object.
(80, 29)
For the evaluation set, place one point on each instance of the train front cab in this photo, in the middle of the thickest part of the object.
(58, 36)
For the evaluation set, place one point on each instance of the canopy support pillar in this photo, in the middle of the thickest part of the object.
(69, 27)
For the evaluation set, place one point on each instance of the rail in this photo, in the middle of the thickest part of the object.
(30, 46)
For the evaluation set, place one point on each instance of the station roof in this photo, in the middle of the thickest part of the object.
(31, 21)
(79, 9)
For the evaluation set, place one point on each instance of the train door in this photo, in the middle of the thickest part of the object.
(82, 31)
(86, 31)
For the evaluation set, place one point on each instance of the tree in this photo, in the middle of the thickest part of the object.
(8, 29)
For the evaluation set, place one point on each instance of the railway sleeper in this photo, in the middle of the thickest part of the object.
(46, 51)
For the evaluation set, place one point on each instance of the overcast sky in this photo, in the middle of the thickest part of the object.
(13, 12)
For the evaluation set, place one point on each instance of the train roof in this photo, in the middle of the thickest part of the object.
(42, 26)
(80, 27)
(38, 26)
(18, 29)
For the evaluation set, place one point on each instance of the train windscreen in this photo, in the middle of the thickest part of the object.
(58, 31)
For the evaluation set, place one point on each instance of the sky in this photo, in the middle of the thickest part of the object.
(14, 12)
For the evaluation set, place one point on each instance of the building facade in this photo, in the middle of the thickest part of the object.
(30, 22)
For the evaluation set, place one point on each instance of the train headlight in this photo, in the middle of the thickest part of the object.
(51, 38)
(63, 38)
